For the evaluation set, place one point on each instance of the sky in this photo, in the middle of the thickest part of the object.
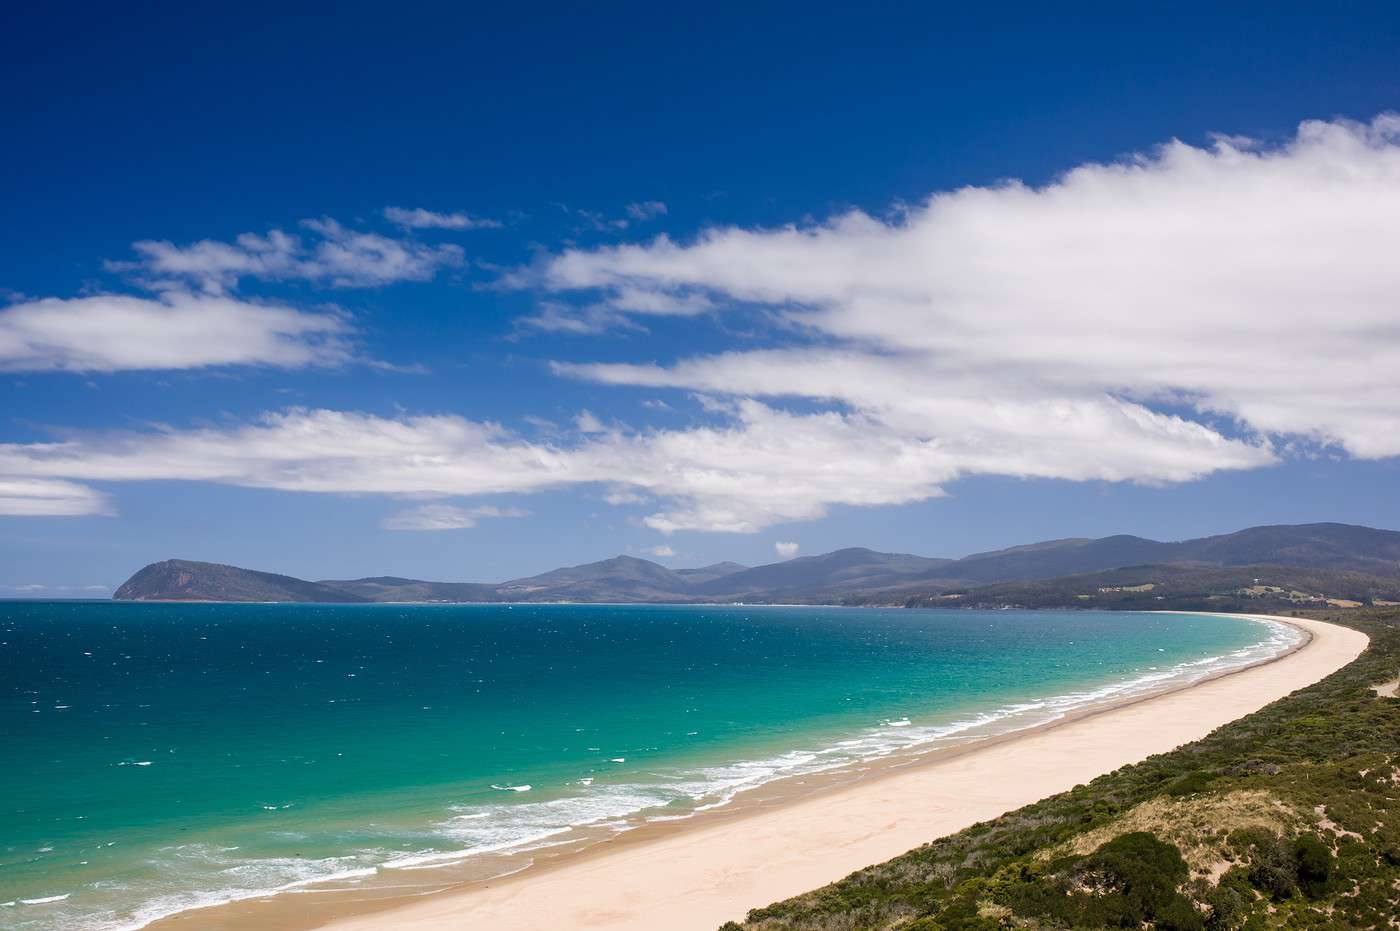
(463, 292)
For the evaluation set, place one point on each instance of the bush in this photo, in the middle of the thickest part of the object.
(1229, 900)
(1131, 880)
(1190, 784)
(1314, 864)
(1271, 867)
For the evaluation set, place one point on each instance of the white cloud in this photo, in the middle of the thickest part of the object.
(661, 552)
(646, 210)
(1042, 331)
(554, 317)
(29, 497)
(616, 314)
(762, 466)
(338, 257)
(785, 550)
(35, 588)
(177, 330)
(658, 303)
(587, 422)
(418, 219)
(444, 517)
(1158, 320)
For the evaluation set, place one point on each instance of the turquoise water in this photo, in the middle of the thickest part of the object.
(163, 757)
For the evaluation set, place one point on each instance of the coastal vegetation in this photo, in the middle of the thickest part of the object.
(1259, 588)
(1286, 818)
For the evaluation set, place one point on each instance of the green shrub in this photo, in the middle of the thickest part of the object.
(1190, 784)
(1140, 876)
(1228, 904)
(1314, 864)
(1270, 866)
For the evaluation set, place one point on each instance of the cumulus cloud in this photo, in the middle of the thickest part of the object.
(1044, 331)
(335, 256)
(444, 517)
(661, 552)
(759, 467)
(419, 219)
(785, 550)
(176, 330)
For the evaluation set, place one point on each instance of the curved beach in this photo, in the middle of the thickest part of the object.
(697, 876)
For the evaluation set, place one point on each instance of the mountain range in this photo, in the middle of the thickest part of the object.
(1362, 558)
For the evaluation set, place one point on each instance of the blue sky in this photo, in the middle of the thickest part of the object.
(468, 293)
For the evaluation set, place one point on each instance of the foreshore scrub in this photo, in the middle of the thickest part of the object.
(1286, 818)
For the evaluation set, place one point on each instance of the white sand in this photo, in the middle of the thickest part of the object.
(694, 880)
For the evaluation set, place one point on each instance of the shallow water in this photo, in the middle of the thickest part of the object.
(163, 757)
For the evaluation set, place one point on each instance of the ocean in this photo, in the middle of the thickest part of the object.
(164, 757)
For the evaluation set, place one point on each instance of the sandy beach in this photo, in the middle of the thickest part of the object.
(696, 878)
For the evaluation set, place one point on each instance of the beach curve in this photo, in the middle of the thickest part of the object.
(696, 878)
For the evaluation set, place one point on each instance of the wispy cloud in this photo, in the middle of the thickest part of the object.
(761, 467)
(785, 550)
(445, 517)
(30, 497)
(418, 218)
(36, 590)
(334, 256)
(661, 551)
(556, 317)
(646, 210)
(600, 222)
(618, 312)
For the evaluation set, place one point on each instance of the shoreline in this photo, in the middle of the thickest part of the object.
(781, 840)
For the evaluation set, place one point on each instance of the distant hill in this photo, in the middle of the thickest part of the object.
(843, 570)
(390, 588)
(710, 573)
(1331, 546)
(184, 580)
(622, 578)
(852, 575)
(1323, 546)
